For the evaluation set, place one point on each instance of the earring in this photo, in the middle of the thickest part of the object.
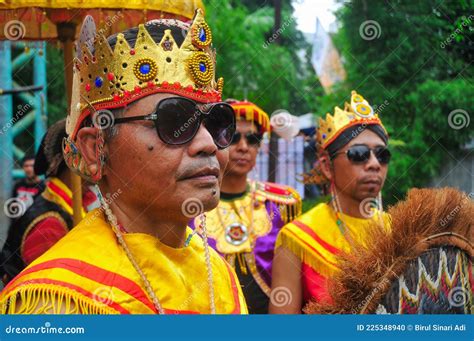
(75, 161)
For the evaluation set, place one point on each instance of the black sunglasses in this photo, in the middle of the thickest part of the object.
(252, 138)
(177, 121)
(361, 154)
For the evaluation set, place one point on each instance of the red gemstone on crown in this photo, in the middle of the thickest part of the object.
(132, 52)
(110, 76)
(88, 87)
(151, 84)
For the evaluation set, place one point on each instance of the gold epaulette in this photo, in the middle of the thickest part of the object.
(286, 197)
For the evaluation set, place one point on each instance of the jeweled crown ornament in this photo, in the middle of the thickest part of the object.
(107, 78)
(358, 112)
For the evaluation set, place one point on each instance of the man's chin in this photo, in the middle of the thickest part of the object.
(210, 202)
(370, 190)
(366, 195)
(208, 196)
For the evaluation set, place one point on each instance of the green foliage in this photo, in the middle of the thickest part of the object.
(57, 97)
(310, 203)
(253, 65)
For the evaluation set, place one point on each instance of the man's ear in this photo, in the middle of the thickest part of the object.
(86, 142)
(326, 166)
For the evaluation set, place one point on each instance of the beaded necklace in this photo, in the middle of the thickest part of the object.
(156, 302)
(336, 206)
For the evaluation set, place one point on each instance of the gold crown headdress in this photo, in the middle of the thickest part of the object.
(358, 112)
(107, 78)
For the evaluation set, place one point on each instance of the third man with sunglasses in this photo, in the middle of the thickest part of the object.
(352, 165)
(250, 213)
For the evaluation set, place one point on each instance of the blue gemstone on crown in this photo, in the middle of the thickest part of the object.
(202, 35)
(145, 68)
(98, 82)
(324, 136)
(202, 67)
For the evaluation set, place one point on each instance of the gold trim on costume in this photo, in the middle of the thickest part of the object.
(238, 211)
(250, 258)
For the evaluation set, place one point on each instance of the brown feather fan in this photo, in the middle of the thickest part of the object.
(423, 264)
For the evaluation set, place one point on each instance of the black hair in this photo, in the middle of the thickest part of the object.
(28, 156)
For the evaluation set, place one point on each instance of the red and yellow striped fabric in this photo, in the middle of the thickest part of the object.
(87, 272)
(316, 240)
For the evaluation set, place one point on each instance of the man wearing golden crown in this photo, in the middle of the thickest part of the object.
(147, 125)
(250, 213)
(353, 162)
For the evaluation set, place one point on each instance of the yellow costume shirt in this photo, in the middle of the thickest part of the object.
(88, 272)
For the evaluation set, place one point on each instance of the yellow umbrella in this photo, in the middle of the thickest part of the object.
(57, 20)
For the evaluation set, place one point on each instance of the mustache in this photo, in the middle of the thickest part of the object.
(198, 165)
